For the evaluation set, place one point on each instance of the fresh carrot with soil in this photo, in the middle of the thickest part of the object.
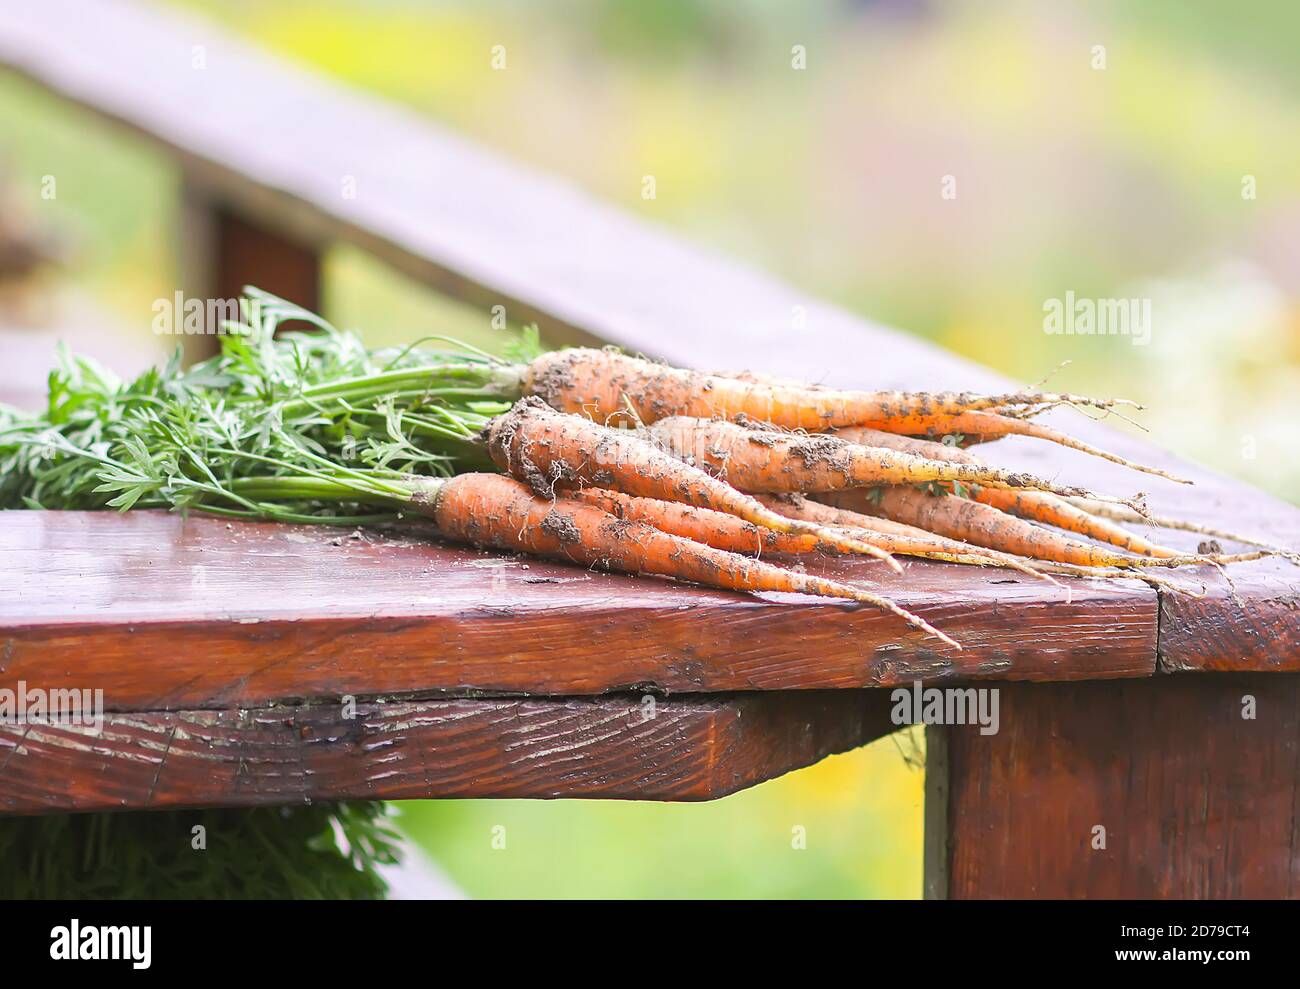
(703, 525)
(553, 451)
(800, 507)
(738, 536)
(604, 382)
(970, 521)
(1040, 506)
(987, 426)
(601, 383)
(491, 510)
(758, 459)
(906, 540)
(1054, 511)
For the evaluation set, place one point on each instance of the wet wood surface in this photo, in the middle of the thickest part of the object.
(165, 612)
(626, 747)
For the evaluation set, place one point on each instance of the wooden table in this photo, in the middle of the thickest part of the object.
(258, 664)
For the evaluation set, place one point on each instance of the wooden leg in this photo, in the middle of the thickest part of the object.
(251, 255)
(221, 252)
(1174, 786)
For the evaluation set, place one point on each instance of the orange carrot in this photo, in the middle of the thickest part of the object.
(716, 529)
(906, 540)
(1040, 506)
(960, 518)
(934, 449)
(600, 383)
(1052, 510)
(985, 426)
(552, 451)
(500, 512)
(758, 459)
(737, 536)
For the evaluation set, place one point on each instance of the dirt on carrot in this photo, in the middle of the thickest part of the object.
(1039, 506)
(601, 383)
(553, 452)
(758, 459)
(904, 540)
(963, 519)
(502, 513)
(733, 534)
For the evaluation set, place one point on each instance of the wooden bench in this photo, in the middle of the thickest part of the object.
(247, 664)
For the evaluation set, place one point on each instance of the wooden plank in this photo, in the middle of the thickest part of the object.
(220, 252)
(1257, 627)
(161, 611)
(690, 748)
(1196, 801)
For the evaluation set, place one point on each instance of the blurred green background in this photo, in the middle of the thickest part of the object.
(1120, 181)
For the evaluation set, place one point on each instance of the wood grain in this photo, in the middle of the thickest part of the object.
(1196, 801)
(690, 748)
(164, 612)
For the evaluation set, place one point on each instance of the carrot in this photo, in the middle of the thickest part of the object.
(600, 383)
(899, 538)
(716, 529)
(737, 536)
(758, 459)
(1055, 511)
(960, 518)
(986, 426)
(933, 449)
(502, 513)
(553, 451)
(1040, 506)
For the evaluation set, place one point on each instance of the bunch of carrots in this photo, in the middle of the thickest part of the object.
(586, 456)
